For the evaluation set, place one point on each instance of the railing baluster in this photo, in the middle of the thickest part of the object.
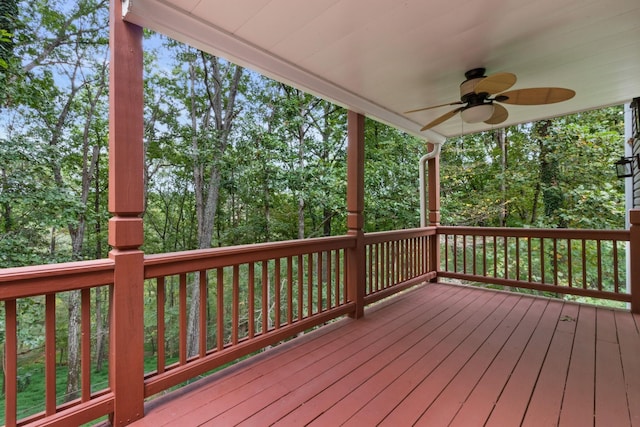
(50, 354)
(85, 343)
(529, 259)
(160, 325)
(555, 262)
(505, 242)
(183, 319)
(569, 263)
(599, 251)
(542, 272)
(517, 258)
(309, 284)
(329, 281)
(320, 282)
(251, 320)
(278, 295)
(203, 313)
(265, 297)
(289, 290)
(464, 253)
(337, 264)
(235, 311)
(455, 253)
(484, 256)
(11, 362)
(584, 264)
(300, 286)
(495, 256)
(220, 309)
(616, 278)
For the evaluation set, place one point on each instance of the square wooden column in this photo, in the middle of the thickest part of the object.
(126, 203)
(356, 274)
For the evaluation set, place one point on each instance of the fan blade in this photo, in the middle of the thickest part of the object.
(433, 106)
(442, 118)
(537, 96)
(500, 114)
(495, 83)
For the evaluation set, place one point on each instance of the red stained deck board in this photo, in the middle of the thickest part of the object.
(298, 398)
(611, 402)
(303, 386)
(343, 409)
(447, 340)
(629, 339)
(436, 355)
(577, 403)
(479, 404)
(344, 385)
(449, 402)
(420, 398)
(262, 391)
(545, 404)
(514, 399)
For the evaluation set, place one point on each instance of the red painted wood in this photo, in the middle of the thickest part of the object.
(160, 325)
(182, 319)
(202, 315)
(303, 385)
(441, 343)
(323, 342)
(577, 403)
(85, 354)
(278, 297)
(220, 309)
(629, 340)
(545, 404)
(453, 396)
(252, 300)
(611, 403)
(424, 394)
(50, 354)
(479, 404)
(10, 362)
(435, 355)
(355, 205)
(512, 404)
(126, 337)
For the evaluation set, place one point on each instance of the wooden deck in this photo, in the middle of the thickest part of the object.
(437, 355)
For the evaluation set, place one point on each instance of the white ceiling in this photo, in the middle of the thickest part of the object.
(384, 57)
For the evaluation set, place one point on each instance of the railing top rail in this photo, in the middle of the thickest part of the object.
(195, 260)
(553, 233)
(384, 236)
(19, 282)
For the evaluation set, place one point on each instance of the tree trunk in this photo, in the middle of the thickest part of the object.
(207, 182)
(73, 347)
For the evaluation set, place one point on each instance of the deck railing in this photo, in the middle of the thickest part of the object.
(206, 308)
(396, 260)
(248, 297)
(40, 290)
(590, 263)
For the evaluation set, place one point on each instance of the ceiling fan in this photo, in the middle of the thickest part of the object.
(477, 102)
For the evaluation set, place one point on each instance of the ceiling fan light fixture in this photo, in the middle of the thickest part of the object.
(477, 113)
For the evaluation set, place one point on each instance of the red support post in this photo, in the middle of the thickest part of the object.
(634, 259)
(356, 274)
(126, 203)
(433, 166)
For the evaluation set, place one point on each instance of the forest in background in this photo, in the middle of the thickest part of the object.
(233, 157)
